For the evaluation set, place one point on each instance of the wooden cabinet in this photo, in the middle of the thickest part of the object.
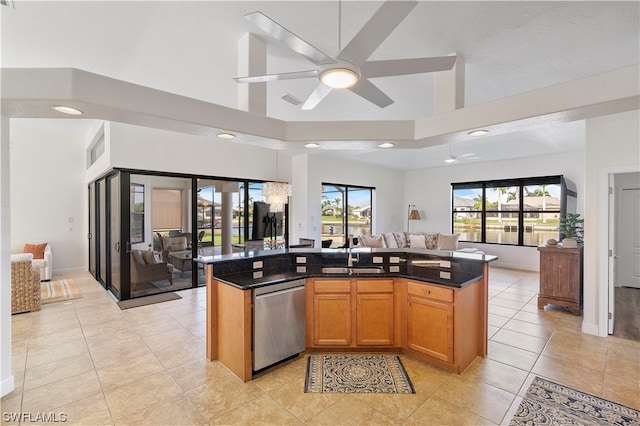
(350, 313)
(430, 320)
(374, 312)
(561, 278)
(332, 313)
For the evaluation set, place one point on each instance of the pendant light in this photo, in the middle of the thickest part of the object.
(277, 193)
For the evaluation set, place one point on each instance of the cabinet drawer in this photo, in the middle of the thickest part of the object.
(374, 286)
(332, 286)
(430, 291)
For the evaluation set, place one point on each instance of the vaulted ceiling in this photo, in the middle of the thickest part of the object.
(191, 49)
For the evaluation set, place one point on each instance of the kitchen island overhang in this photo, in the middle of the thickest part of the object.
(232, 278)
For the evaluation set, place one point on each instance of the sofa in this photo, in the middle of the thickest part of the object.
(415, 240)
(176, 245)
(42, 258)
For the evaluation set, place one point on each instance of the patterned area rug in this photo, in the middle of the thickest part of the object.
(356, 374)
(59, 290)
(548, 403)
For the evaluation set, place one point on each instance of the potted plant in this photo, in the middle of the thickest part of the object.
(571, 228)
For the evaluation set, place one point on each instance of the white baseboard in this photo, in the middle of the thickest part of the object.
(592, 329)
(69, 270)
(523, 267)
(7, 386)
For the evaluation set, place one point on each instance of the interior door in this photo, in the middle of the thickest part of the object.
(628, 241)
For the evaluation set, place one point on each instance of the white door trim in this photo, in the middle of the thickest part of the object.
(603, 239)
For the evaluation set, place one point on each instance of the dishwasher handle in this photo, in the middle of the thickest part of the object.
(279, 292)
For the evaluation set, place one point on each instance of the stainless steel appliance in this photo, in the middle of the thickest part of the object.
(278, 322)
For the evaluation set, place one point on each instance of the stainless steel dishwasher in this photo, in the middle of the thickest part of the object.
(278, 322)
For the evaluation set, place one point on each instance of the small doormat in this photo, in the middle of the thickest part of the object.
(147, 300)
(548, 403)
(59, 290)
(356, 374)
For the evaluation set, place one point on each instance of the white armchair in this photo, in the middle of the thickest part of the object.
(45, 264)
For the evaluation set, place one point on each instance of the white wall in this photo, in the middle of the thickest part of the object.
(7, 383)
(430, 191)
(387, 202)
(612, 146)
(48, 191)
(144, 148)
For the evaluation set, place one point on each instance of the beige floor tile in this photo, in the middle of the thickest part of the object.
(225, 393)
(497, 374)
(62, 368)
(56, 338)
(511, 355)
(171, 338)
(196, 373)
(140, 394)
(156, 327)
(121, 352)
(436, 411)
(506, 303)
(537, 330)
(497, 320)
(49, 354)
(174, 356)
(624, 391)
(350, 410)
(511, 412)
(424, 377)
(89, 411)
(567, 373)
(262, 410)
(176, 410)
(520, 340)
(118, 374)
(481, 399)
(61, 392)
(502, 311)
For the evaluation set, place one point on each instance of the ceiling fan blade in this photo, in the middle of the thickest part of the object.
(320, 92)
(391, 67)
(375, 31)
(289, 39)
(274, 77)
(370, 92)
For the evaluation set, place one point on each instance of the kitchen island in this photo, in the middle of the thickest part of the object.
(428, 304)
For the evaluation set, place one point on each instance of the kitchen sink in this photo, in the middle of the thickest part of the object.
(345, 270)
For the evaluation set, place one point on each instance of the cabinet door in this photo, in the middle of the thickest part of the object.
(430, 327)
(374, 319)
(559, 276)
(332, 325)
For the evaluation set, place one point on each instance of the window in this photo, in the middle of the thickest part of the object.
(345, 208)
(167, 209)
(524, 212)
(137, 213)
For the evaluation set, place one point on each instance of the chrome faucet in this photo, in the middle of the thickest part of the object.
(350, 259)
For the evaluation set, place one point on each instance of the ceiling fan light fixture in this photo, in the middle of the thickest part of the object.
(478, 132)
(339, 78)
(225, 135)
(450, 159)
(67, 110)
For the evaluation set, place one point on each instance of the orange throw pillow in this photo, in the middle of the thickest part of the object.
(36, 249)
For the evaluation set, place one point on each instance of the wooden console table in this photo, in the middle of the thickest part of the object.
(561, 278)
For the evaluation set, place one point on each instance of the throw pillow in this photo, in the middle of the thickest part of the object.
(36, 249)
(389, 240)
(417, 241)
(374, 241)
(148, 257)
(431, 241)
(137, 257)
(448, 241)
(401, 239)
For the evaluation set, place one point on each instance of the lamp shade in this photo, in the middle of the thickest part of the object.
(414, 214)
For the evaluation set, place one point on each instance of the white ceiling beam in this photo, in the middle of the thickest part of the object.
(252, 60)
(449, 88)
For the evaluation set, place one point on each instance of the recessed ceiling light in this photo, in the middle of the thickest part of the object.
(385, 145)
(311, 145)
(226, 135)
(339, 78)
(450, 159)
(478, 132)
(67, 110)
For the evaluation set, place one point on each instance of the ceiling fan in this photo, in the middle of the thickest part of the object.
(350, 68)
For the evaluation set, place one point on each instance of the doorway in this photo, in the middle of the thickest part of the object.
(624, 255)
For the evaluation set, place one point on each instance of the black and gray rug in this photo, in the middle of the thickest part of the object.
(548, 403)
(356, 374)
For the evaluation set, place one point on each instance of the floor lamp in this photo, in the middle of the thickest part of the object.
(412, 214)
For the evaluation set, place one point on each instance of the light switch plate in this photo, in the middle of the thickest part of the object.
(394, 259)
(301, 259)
(394, 269)
(301, 269)
(445, 264)
(377, 259)
(257, 264)
(445, 275)
(257, 274)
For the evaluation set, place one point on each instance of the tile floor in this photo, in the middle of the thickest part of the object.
(100, 365)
